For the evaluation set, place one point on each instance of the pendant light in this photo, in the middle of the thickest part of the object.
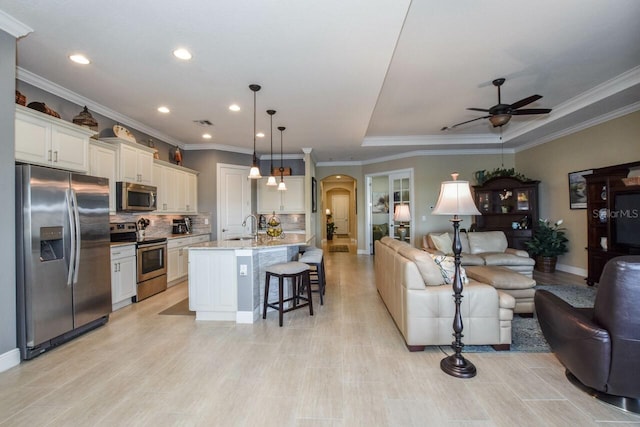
(271, 182)
(254, 173)
(282, 186)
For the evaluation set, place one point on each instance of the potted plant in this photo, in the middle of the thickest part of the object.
(547, 243)
(331, 227)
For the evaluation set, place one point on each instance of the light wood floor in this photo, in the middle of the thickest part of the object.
(345, 366)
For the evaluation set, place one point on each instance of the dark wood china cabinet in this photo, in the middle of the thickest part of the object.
(510, 205)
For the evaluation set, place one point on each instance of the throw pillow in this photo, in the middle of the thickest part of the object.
(442, 242)
(448, 267)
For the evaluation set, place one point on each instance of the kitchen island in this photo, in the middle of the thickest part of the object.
(226, 278)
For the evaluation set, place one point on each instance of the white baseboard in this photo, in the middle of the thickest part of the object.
(245, 317)
(363, 252)
(9, 359)
(571, 269)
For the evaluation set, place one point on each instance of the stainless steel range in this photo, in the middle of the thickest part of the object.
(151, 255)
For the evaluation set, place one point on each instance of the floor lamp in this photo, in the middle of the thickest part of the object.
(455, 199)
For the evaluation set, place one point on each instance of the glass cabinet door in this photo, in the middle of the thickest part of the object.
(400, 207)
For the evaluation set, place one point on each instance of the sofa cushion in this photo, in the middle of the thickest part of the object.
(428, 269)
(500, 277)
(502, 258)
(464, 241)
(394, 244)
(447, 268)
(487, 241)
(442, 242)
(468, 259)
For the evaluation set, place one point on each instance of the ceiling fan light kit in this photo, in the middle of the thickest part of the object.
(500, 114)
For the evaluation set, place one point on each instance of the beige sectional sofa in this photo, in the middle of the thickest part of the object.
(487, 258)
(412, 287)
(482, 248)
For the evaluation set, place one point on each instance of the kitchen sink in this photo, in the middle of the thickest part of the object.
(241, 238)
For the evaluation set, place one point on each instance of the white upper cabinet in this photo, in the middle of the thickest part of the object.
(49, 141)
(103, 163)
(289, 201)
(177, 188)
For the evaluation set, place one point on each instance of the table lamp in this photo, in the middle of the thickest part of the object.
(402, 214)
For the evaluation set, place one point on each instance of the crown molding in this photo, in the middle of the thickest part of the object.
(428, 140)
(214, 146)
(581, 126)
(55, 89)
(420, 153)
(11, 25)
(604, 90)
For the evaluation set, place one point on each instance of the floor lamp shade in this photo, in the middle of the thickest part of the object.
(455, 199)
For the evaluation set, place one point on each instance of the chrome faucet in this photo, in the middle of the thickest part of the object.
(254, 225)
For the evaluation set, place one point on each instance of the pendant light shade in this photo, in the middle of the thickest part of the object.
(271, 182)
(281, 186)
(254, 173)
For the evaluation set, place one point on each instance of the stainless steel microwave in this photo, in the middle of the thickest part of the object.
(131, 197)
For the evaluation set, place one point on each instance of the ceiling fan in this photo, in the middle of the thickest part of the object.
(500, 114)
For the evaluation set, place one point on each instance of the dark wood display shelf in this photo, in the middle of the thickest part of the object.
(504, 201)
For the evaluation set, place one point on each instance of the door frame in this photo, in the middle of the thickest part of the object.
(369, 204)
(246, 208)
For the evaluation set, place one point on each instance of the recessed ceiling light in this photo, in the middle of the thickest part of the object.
(79, 59)
(234, 107)
(338, 176)
(183, 54)
(260, 135)
(206, 135)
(163, 109)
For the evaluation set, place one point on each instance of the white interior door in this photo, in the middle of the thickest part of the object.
(399, 194)
(234, 199)
(340, 204)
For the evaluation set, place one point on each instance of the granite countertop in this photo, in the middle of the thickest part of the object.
(115, 244)
(180, 236)
(289, 240)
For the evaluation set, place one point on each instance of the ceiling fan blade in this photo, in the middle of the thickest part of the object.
(531, 111)
(525, 101)
(468, 121)
(478, 109)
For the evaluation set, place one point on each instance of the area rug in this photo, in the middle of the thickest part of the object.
(338, 248)
(179, 309)
(526, 335)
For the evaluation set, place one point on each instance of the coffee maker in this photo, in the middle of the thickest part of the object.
(182, 226)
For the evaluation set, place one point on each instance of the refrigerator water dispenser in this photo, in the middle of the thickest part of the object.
(51, 243)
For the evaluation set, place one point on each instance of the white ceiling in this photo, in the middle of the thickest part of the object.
(355, 80)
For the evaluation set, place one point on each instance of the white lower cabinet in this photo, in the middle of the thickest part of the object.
(123, 275)
(178, 256)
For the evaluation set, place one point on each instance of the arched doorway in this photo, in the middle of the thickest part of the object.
(339, 203)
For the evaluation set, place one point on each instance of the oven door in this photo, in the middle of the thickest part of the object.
(152, 261)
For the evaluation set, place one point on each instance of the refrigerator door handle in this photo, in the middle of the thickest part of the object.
(76, 214)
(72, 233)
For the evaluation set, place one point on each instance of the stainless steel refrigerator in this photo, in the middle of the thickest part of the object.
(62, 252)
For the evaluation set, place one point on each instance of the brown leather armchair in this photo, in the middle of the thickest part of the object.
(600, 346)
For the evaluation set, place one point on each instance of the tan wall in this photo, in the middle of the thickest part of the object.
(616, 141)
(428, 173)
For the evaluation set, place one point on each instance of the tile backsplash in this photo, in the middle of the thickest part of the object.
(162, 225)
(289, 222)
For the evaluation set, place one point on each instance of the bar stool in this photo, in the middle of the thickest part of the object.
(315, 259)
(298, 272)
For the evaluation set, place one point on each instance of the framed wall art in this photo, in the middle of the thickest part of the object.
(578, 189)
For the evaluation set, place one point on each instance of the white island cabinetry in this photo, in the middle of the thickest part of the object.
(226, 278)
